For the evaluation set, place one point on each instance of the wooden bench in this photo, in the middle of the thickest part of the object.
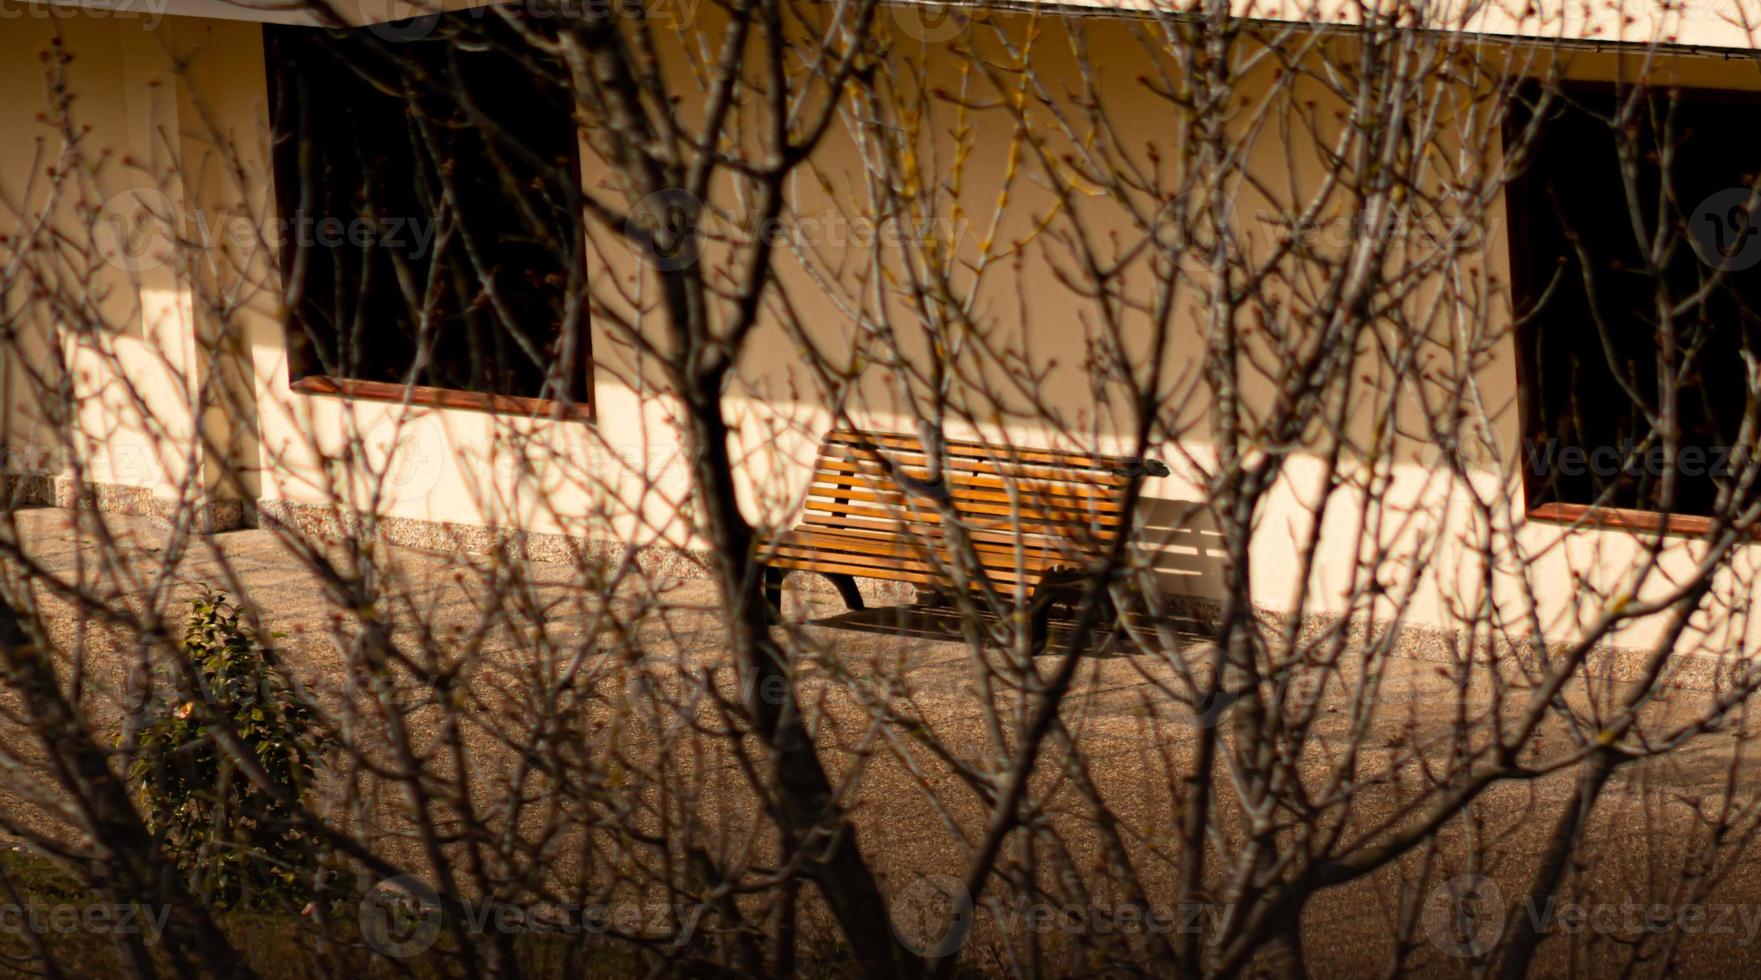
(1036, 520)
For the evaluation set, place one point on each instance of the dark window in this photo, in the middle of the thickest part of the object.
(1592, 348)
(428, 192)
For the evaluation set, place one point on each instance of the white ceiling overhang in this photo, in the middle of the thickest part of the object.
(264, 11)
(1716, 25)
(279, 13)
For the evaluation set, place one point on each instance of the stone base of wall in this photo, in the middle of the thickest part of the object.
(333, 524)
(211, 517)
(658, 562)
(328, 523)
(1607, 662)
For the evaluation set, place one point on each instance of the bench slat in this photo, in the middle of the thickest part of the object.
(959, 484)
(1003, 523)
(998, 539)
(1006, 455)
(853, 460)
(1055, 512)
(802, 552)
(890, 546)
(1025, 512)
(1028, 492)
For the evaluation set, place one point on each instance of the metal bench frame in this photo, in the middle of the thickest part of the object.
(1032, 518)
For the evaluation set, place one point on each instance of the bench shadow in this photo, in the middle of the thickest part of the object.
(942, 624)
(1186, 548)
(1186, 552)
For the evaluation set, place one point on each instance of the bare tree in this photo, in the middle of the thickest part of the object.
(1371, 649)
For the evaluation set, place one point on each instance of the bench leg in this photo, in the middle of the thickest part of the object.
(1052, 591)
(773, 592)
(1039, 614)
(846, 586)
(1110, 615)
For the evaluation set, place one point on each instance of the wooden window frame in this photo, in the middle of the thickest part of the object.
(1621, 518)
(354, 389)
(1517, 211)
(470, 401)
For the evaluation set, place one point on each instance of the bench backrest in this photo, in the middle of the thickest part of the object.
(1045, 500)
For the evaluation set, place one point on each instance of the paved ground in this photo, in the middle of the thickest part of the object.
(1134, 740)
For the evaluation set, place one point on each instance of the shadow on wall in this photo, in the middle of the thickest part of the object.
(1185, 546)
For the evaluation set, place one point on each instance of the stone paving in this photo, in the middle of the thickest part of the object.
(1134, 740)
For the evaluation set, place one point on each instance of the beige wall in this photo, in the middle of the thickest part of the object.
(199, 143)
(113, 60)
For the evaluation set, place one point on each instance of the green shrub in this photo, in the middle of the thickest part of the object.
(233, 840)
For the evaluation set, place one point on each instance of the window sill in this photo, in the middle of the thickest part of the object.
(1627, 520)
(472, 401)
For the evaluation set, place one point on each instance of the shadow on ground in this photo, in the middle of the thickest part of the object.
(943, 624)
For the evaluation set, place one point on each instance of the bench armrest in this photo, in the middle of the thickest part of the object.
(1148, 467)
